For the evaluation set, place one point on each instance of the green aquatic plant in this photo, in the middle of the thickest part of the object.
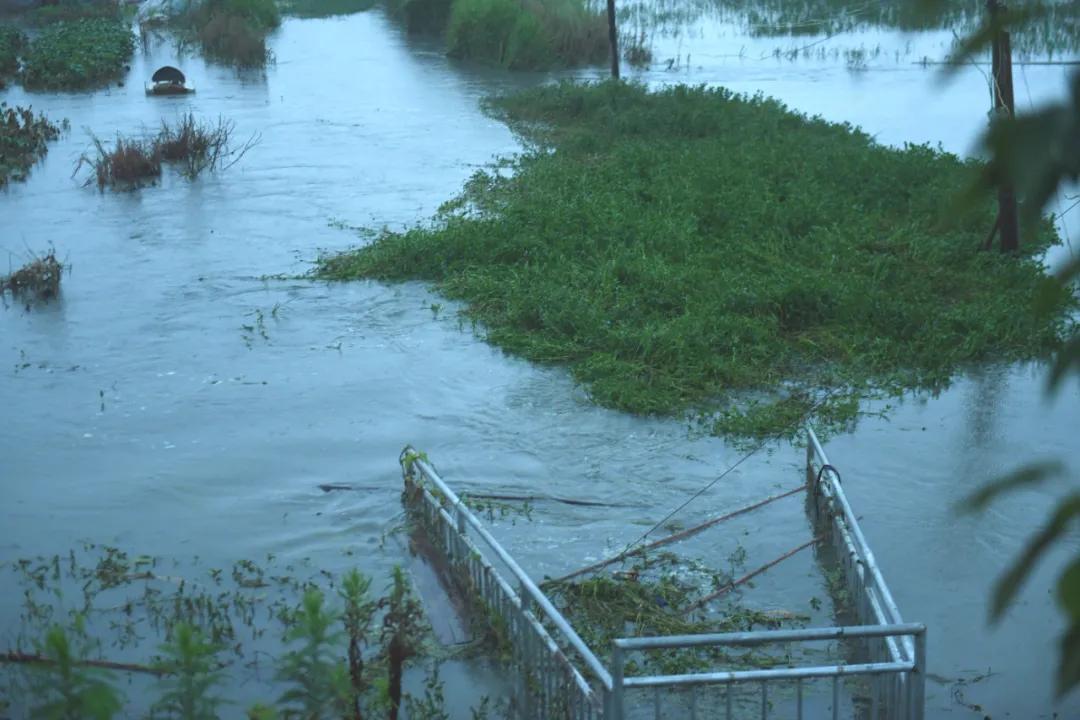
(24, 139)
(693, 250)
(63, 687)
(191, 663)
(78, 54)
(317, 680)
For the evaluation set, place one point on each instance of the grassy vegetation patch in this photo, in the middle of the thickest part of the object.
(691, 249)
(24, 138)
(233, 31)
(526, 35)
(78, 54)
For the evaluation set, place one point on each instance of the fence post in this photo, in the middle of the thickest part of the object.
(616, 683)
(919, 680)
(1001, 56)
(613, 39)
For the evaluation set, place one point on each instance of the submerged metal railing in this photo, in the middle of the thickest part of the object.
(556, 675)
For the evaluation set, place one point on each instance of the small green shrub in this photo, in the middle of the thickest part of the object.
(78, 54)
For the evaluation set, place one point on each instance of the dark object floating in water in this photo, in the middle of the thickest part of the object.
(168, 81)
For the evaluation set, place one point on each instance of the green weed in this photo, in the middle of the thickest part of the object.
(24, 138)
(66, 690)
(690, 249)
(192, 663)
(78, 54)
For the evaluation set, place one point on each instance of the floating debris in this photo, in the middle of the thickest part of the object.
(39, 280)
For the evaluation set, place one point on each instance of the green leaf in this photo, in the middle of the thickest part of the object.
(1068, 590)
(1010, 583)
(1069, 665)
(1027, 475)
(1066, 359)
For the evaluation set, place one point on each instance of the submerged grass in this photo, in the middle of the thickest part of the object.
(534, 34)
(690, 249)
(24, 138)
(78, 54)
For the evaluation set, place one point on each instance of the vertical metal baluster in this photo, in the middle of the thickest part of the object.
(727, 696)
(875, 691)
(656, 703)
(836, 697)
(798, 699)
(764, 701)
(693, 702)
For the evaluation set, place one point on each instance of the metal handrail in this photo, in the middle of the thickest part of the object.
(862, 546)
(761, 637)
(528, 587)
(734, 676)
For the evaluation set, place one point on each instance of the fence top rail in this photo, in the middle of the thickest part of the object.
(853, 525)
(528, 587)
(775, 674)
(762, 637)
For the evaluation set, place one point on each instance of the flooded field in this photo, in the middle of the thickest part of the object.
(181, 399)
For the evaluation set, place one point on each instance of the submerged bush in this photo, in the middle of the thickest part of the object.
(23, 141)
(78, 54)
(12, 42)
(688, 248)
(533, 34)
(324, 8)
(421, 16)
(128, 163)
(234, 30)
(39, 279)
(190, 145)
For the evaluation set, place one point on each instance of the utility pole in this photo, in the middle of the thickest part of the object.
(613, 39)
(1004, 107)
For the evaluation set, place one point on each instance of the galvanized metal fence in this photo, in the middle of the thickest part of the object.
(556, 675)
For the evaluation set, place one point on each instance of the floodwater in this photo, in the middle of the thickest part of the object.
(179, 401)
